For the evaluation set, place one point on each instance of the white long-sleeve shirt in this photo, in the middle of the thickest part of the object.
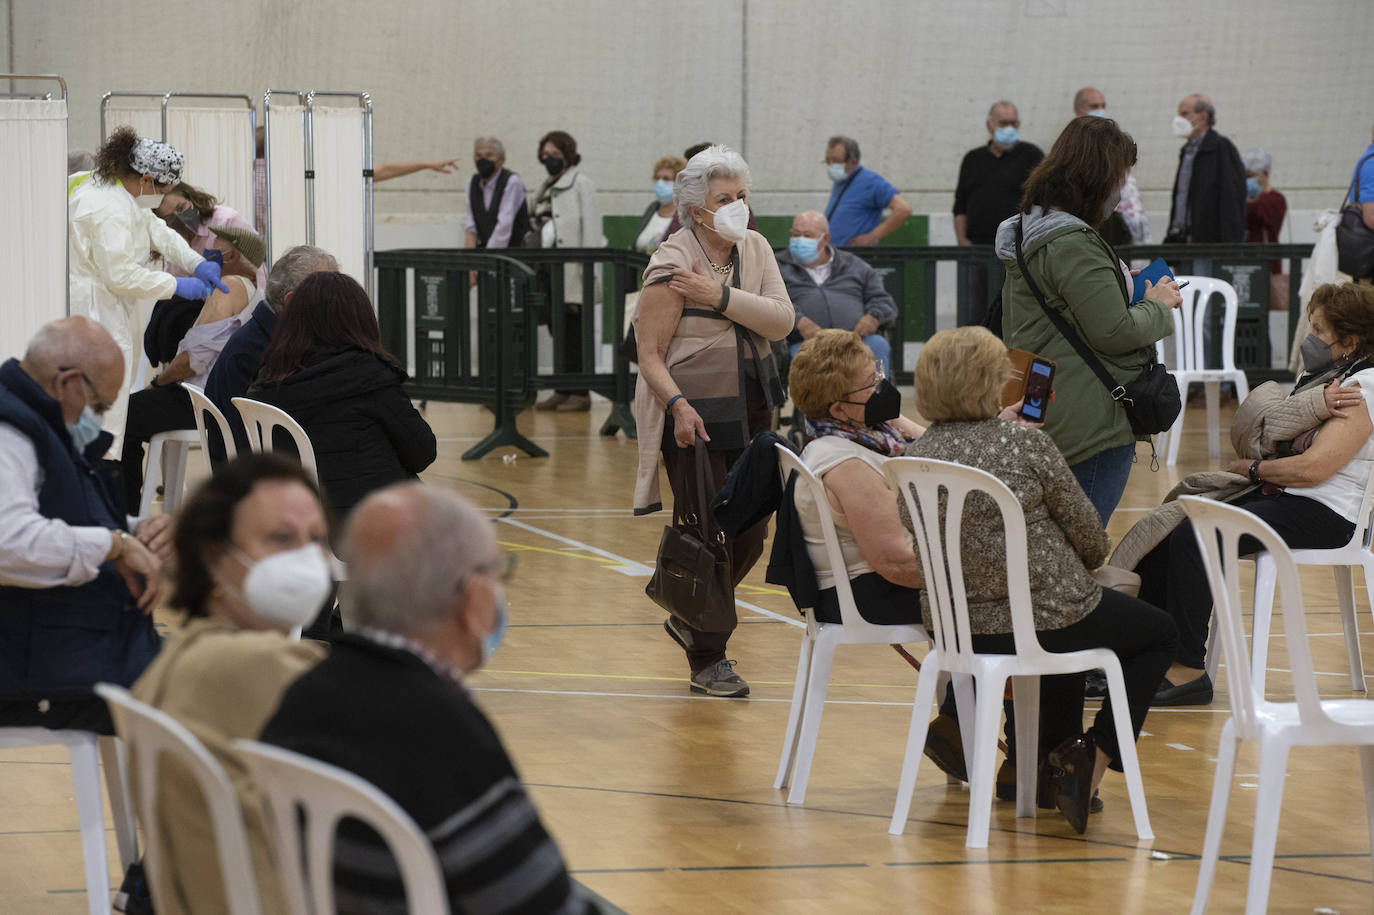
(35, 551)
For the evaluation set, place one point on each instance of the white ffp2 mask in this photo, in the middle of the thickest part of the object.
(731, 221)
(287, 589)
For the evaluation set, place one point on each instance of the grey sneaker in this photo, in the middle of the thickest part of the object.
(720, 679)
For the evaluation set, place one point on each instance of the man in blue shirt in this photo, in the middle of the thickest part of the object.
(1363, 180)
(858, 198)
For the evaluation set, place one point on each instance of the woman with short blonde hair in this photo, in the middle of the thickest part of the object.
(962, 377)
(658, 215)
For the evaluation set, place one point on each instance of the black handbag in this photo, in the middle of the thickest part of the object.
(1354, 239)
(693, 579)
(1151, 399)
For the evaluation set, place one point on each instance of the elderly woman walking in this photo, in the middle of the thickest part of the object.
(713, 300)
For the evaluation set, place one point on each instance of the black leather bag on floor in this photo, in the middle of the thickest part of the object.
(692, 578)
(1151, 399)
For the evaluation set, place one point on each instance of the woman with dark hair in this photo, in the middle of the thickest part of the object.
(250, 564)
(326, 367)
(1066, 200)
(111, 230)
(566, 215)
(192, 213)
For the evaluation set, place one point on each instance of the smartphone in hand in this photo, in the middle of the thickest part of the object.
(1039, 385)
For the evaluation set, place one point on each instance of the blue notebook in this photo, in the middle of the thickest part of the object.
(1152, 272)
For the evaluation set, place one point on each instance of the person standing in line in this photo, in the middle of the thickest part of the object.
(1209, 186)
(1130, 210)
(987, 192)
(496, 213)
(659, 214)
(858, 198)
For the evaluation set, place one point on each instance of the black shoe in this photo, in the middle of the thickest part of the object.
(1194, 692)
(1095, 685)
(945, 747)
(1069, 770)
(133, 897)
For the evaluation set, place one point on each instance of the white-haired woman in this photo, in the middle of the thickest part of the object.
(712, 301)
(112, 229)
(1265, 209)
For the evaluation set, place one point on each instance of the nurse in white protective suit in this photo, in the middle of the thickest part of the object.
(113, 234)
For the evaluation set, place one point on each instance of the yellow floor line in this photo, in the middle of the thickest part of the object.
(549, 673)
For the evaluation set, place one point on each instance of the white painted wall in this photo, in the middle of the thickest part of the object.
(632, 80)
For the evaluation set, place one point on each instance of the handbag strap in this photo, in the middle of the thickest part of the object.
(1354, 190)
(1116, 390)
(697, 513)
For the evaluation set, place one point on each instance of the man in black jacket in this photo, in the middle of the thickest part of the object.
(425, 597)
(1209, 187)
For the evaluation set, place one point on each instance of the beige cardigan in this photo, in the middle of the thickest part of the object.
(222, 683)
(760, 304)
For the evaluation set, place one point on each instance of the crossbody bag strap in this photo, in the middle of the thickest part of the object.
(1117, 391)
(1353, 194)
(830, 210)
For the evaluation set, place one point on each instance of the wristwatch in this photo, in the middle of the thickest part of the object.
(122, 538)
(1254, 472)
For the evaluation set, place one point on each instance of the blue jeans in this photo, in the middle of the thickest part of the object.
(882, 351)
(1103, 477)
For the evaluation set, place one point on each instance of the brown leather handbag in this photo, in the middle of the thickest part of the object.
(692, 578)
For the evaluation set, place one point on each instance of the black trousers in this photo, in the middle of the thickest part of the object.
(571, 344)
(1144, 639)
(879, 601)
(58, 715)
(1172, 575)
(746, 549)
(151, 411)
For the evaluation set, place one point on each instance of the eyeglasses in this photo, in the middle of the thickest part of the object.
(878, 377)
(100, 407)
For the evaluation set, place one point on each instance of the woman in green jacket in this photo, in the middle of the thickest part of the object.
(1066, 199)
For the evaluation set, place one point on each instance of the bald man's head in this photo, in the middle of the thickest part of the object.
(409, 548)
(1087, 100)
(72, 348)
(810, 223)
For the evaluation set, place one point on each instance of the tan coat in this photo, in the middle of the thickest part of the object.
(760, 304)
(222, 683)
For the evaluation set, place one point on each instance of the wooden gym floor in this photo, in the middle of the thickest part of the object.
(663, 801)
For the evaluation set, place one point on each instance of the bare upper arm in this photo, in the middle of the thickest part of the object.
(656, 321)
(220, 305)
(1338, 441)
(870, 508)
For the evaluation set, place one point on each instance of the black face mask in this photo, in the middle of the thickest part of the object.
(554, 164)
(884, 406)
(486, 168)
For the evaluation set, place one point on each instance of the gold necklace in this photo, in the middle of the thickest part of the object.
(719, 271)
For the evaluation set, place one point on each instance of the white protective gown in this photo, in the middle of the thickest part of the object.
(111, 241)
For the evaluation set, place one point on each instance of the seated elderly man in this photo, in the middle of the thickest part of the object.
(76, 589)
(164, 405)
(833, 289)
(425, 594)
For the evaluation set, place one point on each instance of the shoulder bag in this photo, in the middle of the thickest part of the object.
(1151, 399)
(693, 579)
(1354, 239)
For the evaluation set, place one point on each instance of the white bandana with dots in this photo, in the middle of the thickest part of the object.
(151, 157)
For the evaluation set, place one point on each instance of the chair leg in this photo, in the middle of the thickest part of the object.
(942, 683)
(1345, 595)
(1367, 766)
(151, 476)
(1125, 742)
(915, 743)
(1216, 816)
(1273, 761)
(1026, 703)
(175, 489)
(1212, 660)
(86, 782)
(981, 775)
(822, 656)
(1212, 391)
(794, 713)
(966, 703)
(1265, 574)
(113, 759)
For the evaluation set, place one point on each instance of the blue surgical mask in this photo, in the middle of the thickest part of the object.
(1098, 113)
(663, 191)
(1005, 136)
(835, 170)
(84, 430)
(1252, 187)
(492, 640)
(804, 250)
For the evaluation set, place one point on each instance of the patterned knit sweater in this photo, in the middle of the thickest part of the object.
(1064, 533)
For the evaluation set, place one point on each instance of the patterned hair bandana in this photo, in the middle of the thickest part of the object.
(151, 157)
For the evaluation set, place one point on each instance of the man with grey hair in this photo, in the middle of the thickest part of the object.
(77, 589)
(858, 198)
(1209, 186)
(425, 595)
(497, 215)
(241, 357)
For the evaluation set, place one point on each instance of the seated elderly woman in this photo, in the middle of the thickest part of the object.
(1311, 495)
(250, 565)
(854, 414)
(959, 379)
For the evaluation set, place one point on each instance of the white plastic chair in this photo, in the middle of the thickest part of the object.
(201, 406)
(1342, 561)
(1190, 356)
(819, 641)
(169, 448)
(82, 749)
(261, 419)
(149, 733)
(1275, 726)
(921, 483)
(305, 799)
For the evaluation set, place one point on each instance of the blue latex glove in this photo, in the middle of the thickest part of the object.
(190, 287)
(209, 272)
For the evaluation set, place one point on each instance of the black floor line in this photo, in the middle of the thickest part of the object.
(512, 503)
